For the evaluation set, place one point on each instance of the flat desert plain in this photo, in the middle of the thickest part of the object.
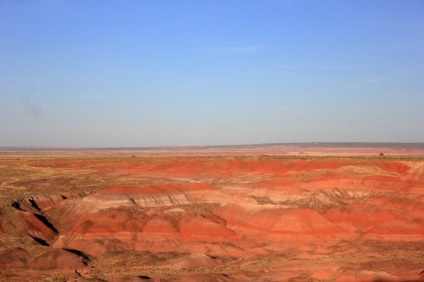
(226, 214)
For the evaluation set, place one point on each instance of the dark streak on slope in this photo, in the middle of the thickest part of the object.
(46, 222)
(84, 257)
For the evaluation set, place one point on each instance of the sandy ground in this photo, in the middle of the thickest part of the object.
(297, 149)
(245, 215)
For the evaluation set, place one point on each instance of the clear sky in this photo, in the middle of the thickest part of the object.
(210, 72)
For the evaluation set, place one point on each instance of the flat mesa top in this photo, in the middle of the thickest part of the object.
(284, 149)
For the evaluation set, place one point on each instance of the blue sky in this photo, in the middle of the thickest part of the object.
(210, 72)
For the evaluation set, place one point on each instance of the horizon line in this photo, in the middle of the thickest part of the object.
(302, 144)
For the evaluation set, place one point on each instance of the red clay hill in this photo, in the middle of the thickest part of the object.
(67, 217)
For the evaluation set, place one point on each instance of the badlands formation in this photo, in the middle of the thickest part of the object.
(94, 217)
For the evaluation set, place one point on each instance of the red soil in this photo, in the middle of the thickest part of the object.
(253, 217)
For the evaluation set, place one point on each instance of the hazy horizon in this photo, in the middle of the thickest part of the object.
(191, 73)
(345, 145)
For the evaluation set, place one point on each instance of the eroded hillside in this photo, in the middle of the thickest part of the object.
(212, 218)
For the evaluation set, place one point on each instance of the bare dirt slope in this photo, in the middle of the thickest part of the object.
(266, 218)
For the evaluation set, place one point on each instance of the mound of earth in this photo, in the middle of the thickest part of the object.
(212, 218)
